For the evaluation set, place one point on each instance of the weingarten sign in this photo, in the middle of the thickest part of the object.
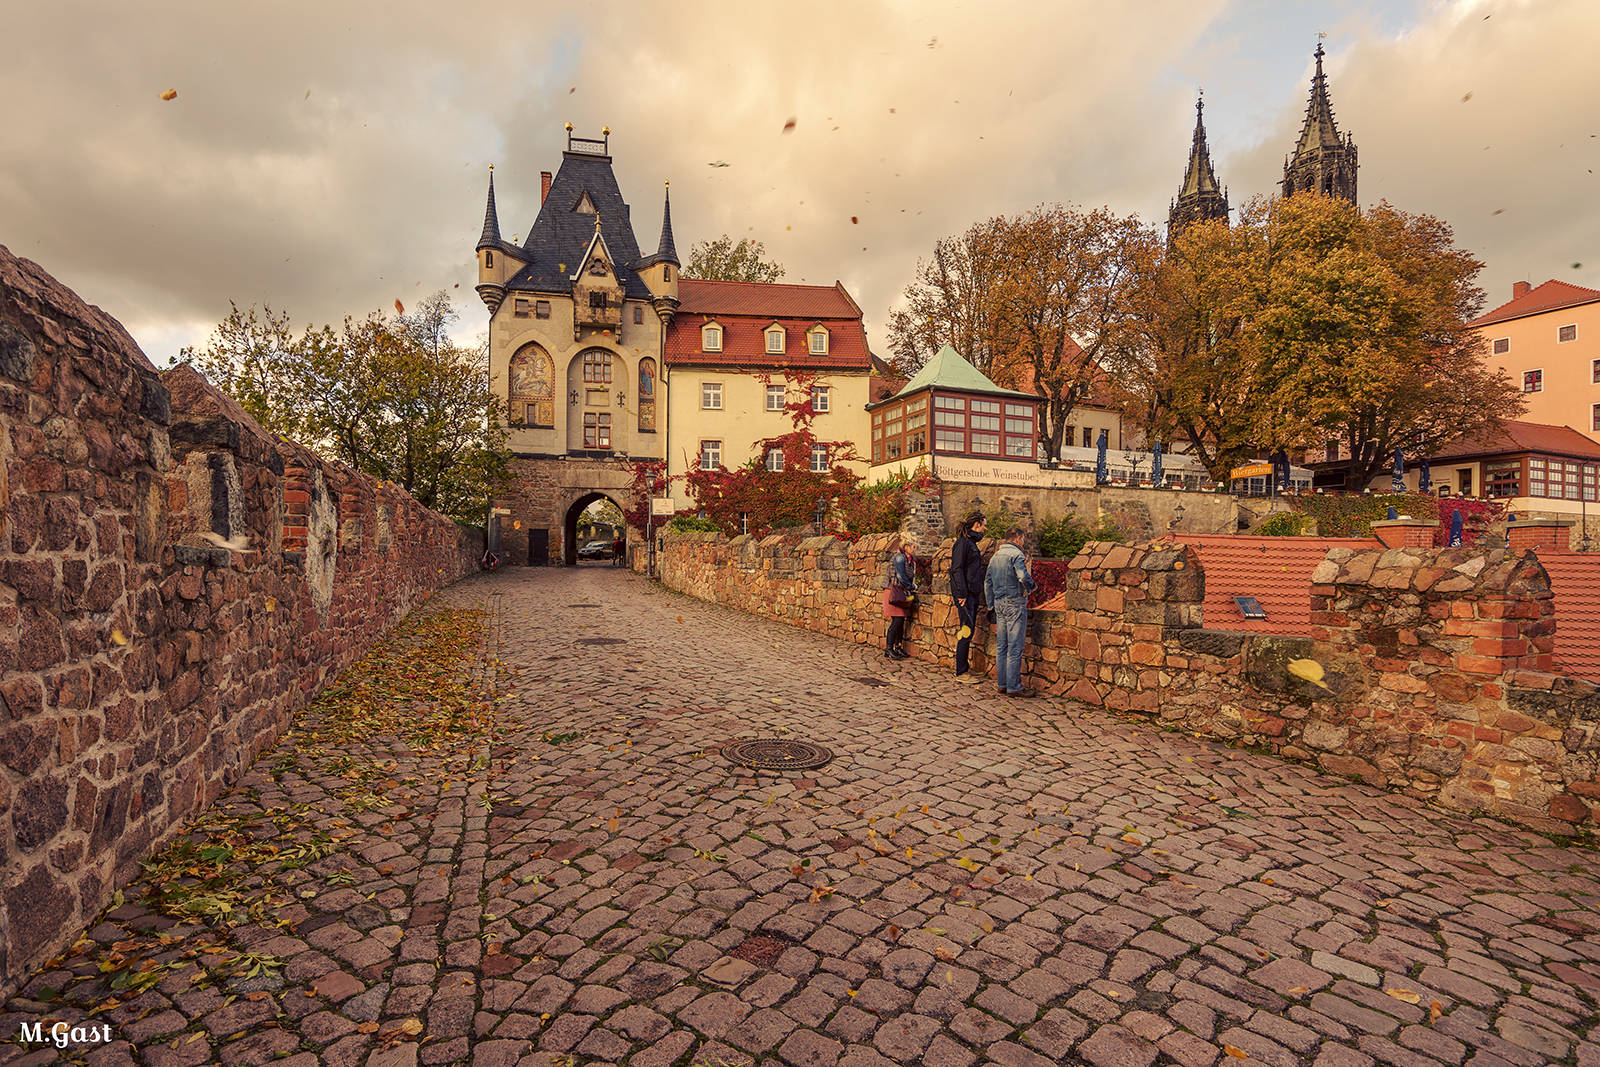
(1002, 472)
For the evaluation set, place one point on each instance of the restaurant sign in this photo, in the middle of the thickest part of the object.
(1001, 472)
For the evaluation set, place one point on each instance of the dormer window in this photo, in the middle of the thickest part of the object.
(711, 338)
(775, 340)
(817, 341)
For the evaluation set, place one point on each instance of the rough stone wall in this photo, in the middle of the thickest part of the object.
(1140, 514)
(1435, 662)
(174, 583)
(544, 489)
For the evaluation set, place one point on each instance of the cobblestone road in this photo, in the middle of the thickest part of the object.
(971, 880)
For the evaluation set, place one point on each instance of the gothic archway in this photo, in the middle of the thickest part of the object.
(572, 543)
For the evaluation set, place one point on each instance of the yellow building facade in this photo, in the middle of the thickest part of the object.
(1546, 340)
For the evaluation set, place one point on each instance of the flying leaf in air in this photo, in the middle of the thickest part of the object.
(788, 127)
(169, 94)
(1307, 669)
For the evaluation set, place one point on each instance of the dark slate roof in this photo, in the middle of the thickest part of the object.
(666, 249)
(1319, 131)
(1199, 177)
(560, 235)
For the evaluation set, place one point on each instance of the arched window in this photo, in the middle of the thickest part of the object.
(597, 366)
(530, 391)
(647, 395)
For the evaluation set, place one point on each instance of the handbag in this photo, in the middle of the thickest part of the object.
(901, 597)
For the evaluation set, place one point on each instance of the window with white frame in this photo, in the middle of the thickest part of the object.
(711, 338)
(1502, 345)
(711, 396)
(1533, 381)
(1567, 333)
(775, 339)
(710, 455)
(821, 399)
(818, 339)
(819, 459)
(775, 396)
(774, 459)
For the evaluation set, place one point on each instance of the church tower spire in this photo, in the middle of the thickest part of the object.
(667, 249)
(1199, 197)
(1322, 162)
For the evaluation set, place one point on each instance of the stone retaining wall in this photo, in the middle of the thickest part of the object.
(1434, 663)
(174, 584)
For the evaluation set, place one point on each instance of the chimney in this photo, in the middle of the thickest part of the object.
(1519, 289)
(544, 194)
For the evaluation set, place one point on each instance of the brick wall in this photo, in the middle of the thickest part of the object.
(174, 583)
(1434, 662)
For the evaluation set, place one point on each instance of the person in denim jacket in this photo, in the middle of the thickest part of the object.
(1006, 585)
(902, 572)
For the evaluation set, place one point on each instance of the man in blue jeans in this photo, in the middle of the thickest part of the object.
(1006, 586)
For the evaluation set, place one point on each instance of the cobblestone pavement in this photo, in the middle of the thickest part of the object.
(971, 879)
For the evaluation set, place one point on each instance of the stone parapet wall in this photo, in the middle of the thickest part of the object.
(1428, 670)
(174, 583)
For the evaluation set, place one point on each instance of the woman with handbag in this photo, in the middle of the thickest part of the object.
(899, 599)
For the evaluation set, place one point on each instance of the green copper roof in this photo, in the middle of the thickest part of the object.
(947, 370)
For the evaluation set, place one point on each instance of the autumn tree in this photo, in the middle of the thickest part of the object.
(727, 260)
(1309, 320)
(1029, 300)
(393, 396)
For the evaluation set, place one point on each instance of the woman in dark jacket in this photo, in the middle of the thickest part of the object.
(966, 587)
(902, 573)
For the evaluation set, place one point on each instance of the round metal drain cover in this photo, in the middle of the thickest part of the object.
(602, 641)
(767, 754)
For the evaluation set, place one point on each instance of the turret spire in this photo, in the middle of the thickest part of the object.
(491, 219)
(667, 250)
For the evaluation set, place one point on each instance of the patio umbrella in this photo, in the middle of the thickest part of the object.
(1397, 483)
(1155, 465)
(1391, 513)
(1455, 529)
(1424, 480)
(1100, 475)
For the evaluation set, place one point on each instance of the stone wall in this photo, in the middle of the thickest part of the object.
(1427, 672)
(174, 583)
(1139, 513)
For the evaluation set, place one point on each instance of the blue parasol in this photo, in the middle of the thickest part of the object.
(1155, 465)
(1397, 484)
(1424, 478)
(1100, 475)
(1391, 513)
(1455, 529)
(1280, 469)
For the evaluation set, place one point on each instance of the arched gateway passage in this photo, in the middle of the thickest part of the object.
(581, 540)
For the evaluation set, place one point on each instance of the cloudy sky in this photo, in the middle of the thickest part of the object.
(330, 158)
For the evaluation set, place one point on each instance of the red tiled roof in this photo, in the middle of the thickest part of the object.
(696, 296)
(883, 386)
(744, 310)
(1575, 581)
(1511, 436)
(1274, 570)
(1547, 297)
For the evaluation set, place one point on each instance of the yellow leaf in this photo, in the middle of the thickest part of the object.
(1404, 994)
(272, 604)
(1435, 1009)
(169, 94)
(410, 1026)
(1235, 1052)
(852, 992)
(1299, 989)
(118, 637)
(612, 824)
(1308, 669)
(367, 1028)
(966, 864)
(1132, 839)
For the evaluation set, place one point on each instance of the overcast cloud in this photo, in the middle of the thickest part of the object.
(331, 157)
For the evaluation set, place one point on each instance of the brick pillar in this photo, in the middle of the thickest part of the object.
(1405, 533)
(1534, 534)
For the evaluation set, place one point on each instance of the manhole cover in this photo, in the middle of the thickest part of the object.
(601, 641)
(765, 754)
(870, 681)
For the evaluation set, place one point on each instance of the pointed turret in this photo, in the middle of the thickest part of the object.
(1323, 162)
(1200, 197)
(660, 268)
(667, 249)
(491, 219)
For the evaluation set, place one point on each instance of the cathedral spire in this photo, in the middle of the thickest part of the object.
(491, 219)
(1323, 161)
(1199, 197)
(667, 250)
